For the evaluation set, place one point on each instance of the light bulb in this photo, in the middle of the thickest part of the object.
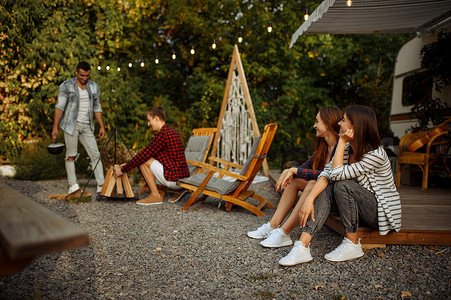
(270, 27)
(192, 50)
(306, 15)
(173, 55)
(107, 68)
(130, 65)
(118, 69)
(349, 2)
(99, 67)
(240, 38)
(214, 44)
(142, 64)
(157, 60)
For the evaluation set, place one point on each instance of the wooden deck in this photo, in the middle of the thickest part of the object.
(426, 219)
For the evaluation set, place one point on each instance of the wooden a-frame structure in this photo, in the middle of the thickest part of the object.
(236, 65)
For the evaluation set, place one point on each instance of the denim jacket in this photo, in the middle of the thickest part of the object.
(69, 101)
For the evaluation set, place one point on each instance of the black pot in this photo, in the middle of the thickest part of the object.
(55, 148)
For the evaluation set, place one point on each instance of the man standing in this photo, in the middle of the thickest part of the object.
(78, 101)
(165, 156)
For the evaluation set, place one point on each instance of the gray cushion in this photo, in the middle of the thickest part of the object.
(196, 149)
(219, 185)
(251, 156)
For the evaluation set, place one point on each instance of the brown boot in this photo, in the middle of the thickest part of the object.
(150, 200)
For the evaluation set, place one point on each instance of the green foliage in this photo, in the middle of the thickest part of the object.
(436, 61)
(35, 163)
(44, 40)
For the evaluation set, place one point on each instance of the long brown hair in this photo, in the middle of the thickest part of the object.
(366, 135)
(330, 117)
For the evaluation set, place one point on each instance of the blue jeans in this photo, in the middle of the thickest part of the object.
(85, 135)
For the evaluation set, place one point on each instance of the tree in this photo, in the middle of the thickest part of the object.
(287, 85)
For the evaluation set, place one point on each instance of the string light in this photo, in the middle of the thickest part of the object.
(349, 3)
(214, 45)
(270, 27)
(118, 69)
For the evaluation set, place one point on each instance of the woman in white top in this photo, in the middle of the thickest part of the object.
(363, 189)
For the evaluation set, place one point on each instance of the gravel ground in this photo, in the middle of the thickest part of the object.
(162, 252)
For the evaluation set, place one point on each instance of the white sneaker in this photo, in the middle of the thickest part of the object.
(99, 188)
(298, 254)
(346, 251)
(262, 232)
(73, 188)
(277, 238)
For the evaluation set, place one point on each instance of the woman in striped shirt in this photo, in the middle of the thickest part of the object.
(363, 190)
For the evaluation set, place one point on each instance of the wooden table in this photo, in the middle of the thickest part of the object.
(28, 229)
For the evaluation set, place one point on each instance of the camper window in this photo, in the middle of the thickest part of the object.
(416, 88)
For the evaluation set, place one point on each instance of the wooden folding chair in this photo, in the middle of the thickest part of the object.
(196, 151)
(423, 159)
(235, 192)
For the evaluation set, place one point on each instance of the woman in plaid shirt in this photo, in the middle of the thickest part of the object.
(301, 178)
(165, 155)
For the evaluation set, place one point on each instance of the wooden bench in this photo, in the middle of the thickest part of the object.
(28, 229)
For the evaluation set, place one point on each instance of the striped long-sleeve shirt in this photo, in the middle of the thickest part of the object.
(374, 173)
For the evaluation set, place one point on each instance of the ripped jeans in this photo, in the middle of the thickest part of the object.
(85, 135)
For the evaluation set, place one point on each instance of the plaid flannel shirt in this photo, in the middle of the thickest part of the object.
(167, 148)
(305, 170)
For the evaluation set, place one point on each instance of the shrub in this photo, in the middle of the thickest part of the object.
(34, 162)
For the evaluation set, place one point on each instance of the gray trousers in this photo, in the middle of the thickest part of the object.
(83, 134)
(353, 203)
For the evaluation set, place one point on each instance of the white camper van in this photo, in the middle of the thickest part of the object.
(408, 63)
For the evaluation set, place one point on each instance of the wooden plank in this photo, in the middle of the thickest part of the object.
(28, 229)
(128, 188)
(405, 236)
(108, 176)
(426, 217)
(119, 188)
(111, 184)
